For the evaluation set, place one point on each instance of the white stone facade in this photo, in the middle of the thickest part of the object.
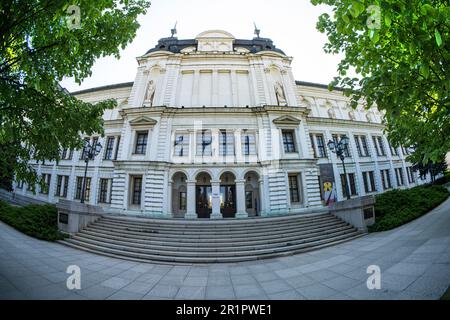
(218, 127)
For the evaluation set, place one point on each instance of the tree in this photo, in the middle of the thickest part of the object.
(41, 42)
(400, 52)
(433, 168)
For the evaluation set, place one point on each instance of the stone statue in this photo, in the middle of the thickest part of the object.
(279, 92)
(150, 93)
(331, 113)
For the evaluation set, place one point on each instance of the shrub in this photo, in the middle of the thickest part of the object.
(39, 221)
(397, 207)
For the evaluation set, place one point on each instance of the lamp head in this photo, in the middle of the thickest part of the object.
(345, 140)
(331, 145)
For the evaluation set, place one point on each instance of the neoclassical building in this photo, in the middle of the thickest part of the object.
(218, 127)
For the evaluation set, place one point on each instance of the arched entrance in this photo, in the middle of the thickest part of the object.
(203, 195)
(228, 195)
(179, 195)
(252, 195)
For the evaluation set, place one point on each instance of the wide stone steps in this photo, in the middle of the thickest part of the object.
(228, 240)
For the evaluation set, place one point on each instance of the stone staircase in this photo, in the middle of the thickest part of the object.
(210, 241)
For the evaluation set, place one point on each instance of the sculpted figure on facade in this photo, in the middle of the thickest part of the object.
(150, 93)
(279, 92)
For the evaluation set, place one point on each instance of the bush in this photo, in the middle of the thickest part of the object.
(397, 207)
(39, 221)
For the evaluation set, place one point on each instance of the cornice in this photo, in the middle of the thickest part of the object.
(346, 123)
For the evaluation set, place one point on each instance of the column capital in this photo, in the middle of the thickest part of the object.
(191, 181)
(215, 182)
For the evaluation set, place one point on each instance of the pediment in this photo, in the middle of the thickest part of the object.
(143, 121)
(287, 120)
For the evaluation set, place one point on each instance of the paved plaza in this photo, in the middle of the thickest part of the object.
(414, 261)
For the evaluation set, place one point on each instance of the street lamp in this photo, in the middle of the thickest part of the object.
(90, 151)
(339, 148)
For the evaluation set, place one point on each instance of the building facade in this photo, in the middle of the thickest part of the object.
(218, 127)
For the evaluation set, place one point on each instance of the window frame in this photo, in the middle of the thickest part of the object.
(140, 146)
(289, 146)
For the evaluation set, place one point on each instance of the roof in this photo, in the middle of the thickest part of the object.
(130, 84)
(254, 45)
(107, 87)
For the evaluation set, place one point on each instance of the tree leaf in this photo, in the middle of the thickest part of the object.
(438, 38)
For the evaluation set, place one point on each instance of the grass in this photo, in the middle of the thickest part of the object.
(397, 207)
(38, 221)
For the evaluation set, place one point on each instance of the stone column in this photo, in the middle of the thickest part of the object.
(261, 198)
(190, 195)
(215, 184)
(169, 210)
(240, 199)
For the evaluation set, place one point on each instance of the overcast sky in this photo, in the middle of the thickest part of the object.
(291, 24)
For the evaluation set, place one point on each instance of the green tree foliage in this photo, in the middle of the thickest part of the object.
(400, 52)
(40, 44)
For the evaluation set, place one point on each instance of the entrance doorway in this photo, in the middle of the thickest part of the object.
(203, 196)
(227, 195)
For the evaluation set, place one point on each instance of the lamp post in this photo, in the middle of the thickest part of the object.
(90, 151)
(339, 148)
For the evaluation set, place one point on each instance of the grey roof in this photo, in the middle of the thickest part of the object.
(316, 85)
(255, 45)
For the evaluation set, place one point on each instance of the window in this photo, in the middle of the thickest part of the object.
(352, 185)
(181, 144)
(19, 184)
(46, 178)
(62, 183)
(318, 145)
(226, 143)
(136, 190)
(182, 200)
(394, 151)
(117, 148)
(361, 146)
(80, 188)
(204, 141)
(248, 141)
(66, 154)
(378, 145)
(386, 179)
(109, 148)
(406, 151)
(288, 141)
(83, 151)
(369, 181)
(399, 176)
(337, 138)
(249, 199)
(141, 142)
(410, 173)
(293, 188)
(105, 194)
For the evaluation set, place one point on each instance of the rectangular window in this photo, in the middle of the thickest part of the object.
(62, 183)
(410, 174)
(364, 146)
(321, 146)
(394, 151)
(116, 153)
(378, 145)
(204, 142)
(352, 184)
(288, 141)
(80, 188)
(293, 188)
(386, 179)
(19, 184)
(248, 141)
(399, 176)
(336, 139)
(181, 144)
(104, 196)
(182, 200)
(141, 142)
(406, 151)
(46, 178)
(109, 148)
(136, 190)
(358, 146)
(369, 181)
(84, 150)
(226, 143)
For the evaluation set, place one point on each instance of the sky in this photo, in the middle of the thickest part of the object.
(291, 24)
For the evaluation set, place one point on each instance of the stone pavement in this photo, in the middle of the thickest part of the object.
(414, 261)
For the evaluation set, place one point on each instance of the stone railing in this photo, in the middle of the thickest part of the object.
(18, 199)
(358, 212)
(73, 216)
